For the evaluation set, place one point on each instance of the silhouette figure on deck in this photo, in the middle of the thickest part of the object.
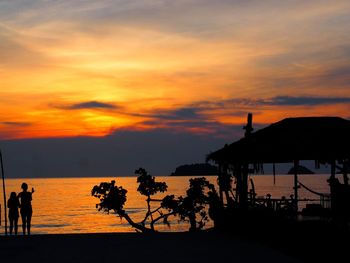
(26, 207)
(13, 205)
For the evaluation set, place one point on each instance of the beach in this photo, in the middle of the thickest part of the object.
(136, 247)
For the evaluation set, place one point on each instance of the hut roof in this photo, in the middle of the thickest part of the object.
(304, 138)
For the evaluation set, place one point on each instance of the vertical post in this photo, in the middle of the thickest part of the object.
(345, 172)
(4, 190)
(220, 184)
(332, 184)
(249, 127)
(244, 186)
(333, 169)
(274, 173)
(296, 165)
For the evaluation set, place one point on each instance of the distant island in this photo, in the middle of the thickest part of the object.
(301, 170)
(195, 169)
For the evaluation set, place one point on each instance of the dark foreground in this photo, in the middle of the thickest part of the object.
(128, 247)
(307, 240)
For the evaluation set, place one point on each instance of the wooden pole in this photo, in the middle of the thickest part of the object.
(4, 190)
(220, 184)
(345, 172)
(296, 165)
(333, 167)
(244, 186)
(331, 184)
(274, 173)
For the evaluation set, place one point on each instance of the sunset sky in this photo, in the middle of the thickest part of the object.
(96, 68)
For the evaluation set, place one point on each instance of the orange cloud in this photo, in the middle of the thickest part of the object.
(137, 65)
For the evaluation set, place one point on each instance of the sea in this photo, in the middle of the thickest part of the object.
(65, 205)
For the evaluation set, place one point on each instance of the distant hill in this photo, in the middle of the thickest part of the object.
(301, 170)
(195, 169)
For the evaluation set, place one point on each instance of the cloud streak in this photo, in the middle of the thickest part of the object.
(305, 101)
(88, 105)
(16, 124)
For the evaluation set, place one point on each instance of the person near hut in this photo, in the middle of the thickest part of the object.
(269, 204)
(13, 205)
(26, 207)
(340, 199)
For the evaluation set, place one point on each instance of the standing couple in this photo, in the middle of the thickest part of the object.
(24, 201)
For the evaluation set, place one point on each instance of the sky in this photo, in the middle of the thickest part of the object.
(138, 73)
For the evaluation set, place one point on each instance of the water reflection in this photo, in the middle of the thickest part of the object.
(64, 205)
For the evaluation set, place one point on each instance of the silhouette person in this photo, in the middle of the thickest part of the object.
(13, 206)
(26, 207)
(269, 204)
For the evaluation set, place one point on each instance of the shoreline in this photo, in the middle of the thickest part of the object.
(169, 175)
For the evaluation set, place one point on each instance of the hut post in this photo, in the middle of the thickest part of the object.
(333, 166)
(331, 181)
(244, 187)
(238, 175)
(345, 172)
(226, 186)
(220, 184)
(243, 198)
(296, 165)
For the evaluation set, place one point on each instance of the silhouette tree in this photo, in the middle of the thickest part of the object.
(113, 197)
(148, 187)
(191, 208)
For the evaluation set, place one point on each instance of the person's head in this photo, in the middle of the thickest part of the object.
(24, 186)
(13, 195)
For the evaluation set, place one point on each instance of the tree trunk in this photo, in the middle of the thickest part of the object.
(133, 224)
(193, 222)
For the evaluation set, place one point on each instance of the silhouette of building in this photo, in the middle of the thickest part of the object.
(326, 140)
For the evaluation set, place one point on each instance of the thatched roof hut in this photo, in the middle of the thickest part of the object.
(306, 138)
(323, 139)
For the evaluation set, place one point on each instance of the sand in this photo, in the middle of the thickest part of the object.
(136, 247)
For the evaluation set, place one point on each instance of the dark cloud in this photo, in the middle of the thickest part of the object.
(200, 117)
(88, 105)
(185, 113)
(241, 103)
(307, 101)
(181, 113)
(16, 124)
(203, 127)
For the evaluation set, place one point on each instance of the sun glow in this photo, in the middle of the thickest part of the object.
(85, 74)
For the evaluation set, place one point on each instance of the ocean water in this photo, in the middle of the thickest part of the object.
(65, 205)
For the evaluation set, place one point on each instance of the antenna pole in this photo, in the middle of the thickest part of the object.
(4, 190)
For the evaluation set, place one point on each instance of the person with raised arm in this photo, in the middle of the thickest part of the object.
(26, 210)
